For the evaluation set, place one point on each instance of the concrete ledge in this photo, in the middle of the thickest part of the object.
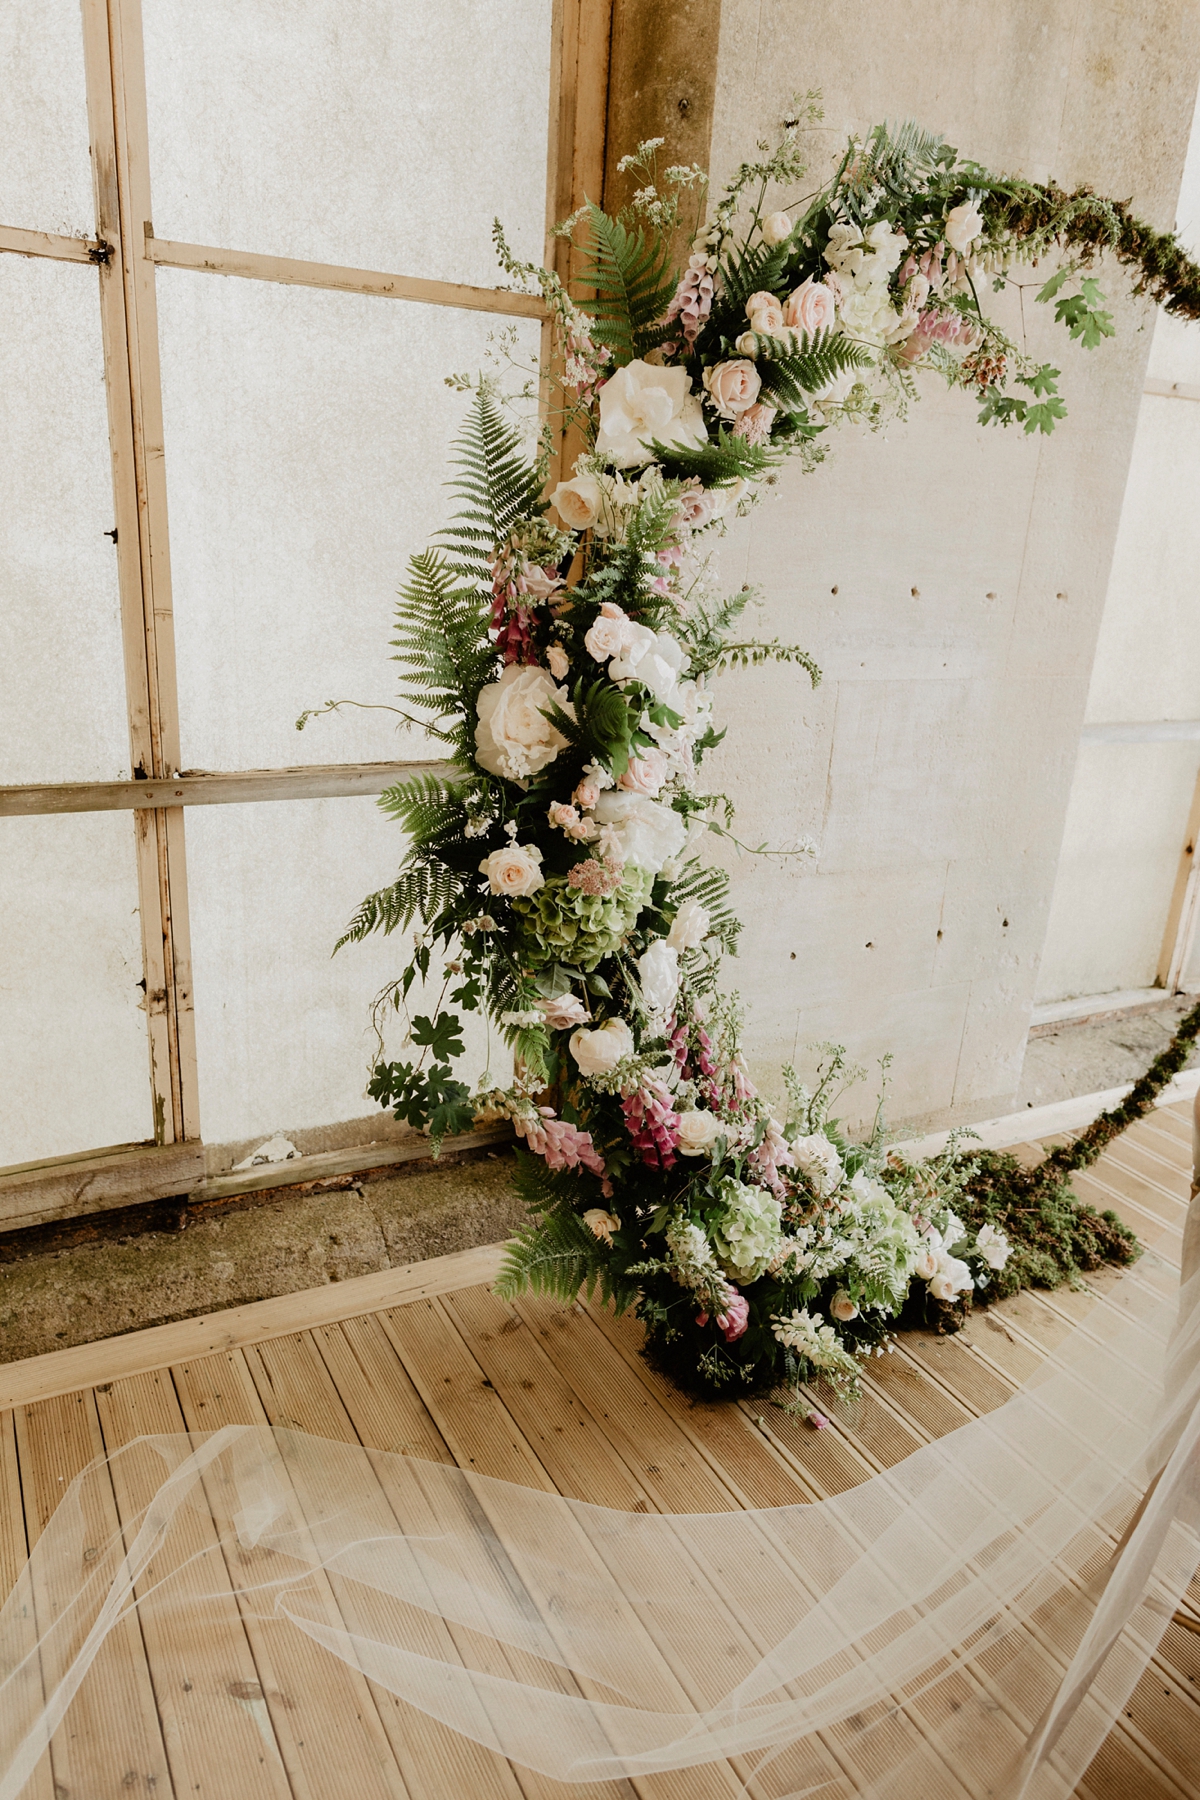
(1048, 1121)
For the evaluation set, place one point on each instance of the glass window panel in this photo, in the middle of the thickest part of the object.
(74, 1057)
(45, 169)
(359, 132)
(307, 437)
(63, 713)
(283, 1029)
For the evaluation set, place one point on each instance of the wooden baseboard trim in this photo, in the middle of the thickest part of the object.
(112, 1359)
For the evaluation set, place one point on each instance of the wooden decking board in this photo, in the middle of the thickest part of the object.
(350, 1752)
(427, 1362)
(111, 1730)
(199, 1690)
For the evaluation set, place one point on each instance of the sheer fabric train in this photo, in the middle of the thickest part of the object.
(952, 1627)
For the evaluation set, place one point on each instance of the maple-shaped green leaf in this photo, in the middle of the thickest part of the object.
(442, 1035)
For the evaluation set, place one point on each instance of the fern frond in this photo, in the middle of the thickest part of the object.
(721, 464)
(633, 282)
(796, 366)
(557, 1257)
(710, 886)
(442, 644)
(498, 485)
(420, 890)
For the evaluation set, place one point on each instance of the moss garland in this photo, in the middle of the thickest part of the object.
(1055, 1237)
(1086, 222)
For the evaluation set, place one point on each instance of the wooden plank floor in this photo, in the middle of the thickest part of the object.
(427, 1361)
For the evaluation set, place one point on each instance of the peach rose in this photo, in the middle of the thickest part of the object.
(764, 313)
(732, 386)
(775, 228)
(811, 308)
(514, 869)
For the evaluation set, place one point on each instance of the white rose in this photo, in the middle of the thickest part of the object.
(993, 1246)
(658, 973)
(952, 1277)
(653, 658)
(577, 502)
(842, 1307)
(775, 228)
(512, 737)
(649, 833)
(514, 869)
(598, 1052)
(698, 1132)
(641, 405)
(559, 661)
(819, 1160)
(689, 927)
(964, 223)
(601, 1224)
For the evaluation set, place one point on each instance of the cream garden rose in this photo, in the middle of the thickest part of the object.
(641, 405)
(598, 1052)
(513, 738)
(698, 1132)
(601, 1224)
(775, 228)
(578, 502)
(649, 833)
(514, 869)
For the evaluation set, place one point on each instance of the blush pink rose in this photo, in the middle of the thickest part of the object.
(645, 774)
(764, 313)
(811, 308)
(733, 386)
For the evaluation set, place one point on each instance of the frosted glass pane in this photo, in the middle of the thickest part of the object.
(63, 713)
(383, 134)
(282, 1027)
(74, 1058)
(45, 171)
(307, 436)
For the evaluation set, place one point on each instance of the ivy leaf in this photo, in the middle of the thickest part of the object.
(442, 1035)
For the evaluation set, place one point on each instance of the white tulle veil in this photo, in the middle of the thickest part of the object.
(954, 1626)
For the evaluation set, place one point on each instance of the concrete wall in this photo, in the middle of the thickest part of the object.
(949, 580)
(1130, 802)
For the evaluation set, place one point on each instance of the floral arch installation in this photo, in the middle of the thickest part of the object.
(956, 1625)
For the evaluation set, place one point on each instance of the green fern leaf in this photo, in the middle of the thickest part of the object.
(633, 282)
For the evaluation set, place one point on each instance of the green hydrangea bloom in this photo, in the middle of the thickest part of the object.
(748, 1233)
(564, 925)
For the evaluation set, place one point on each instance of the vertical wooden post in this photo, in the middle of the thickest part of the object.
(129, 321)
(582, 30)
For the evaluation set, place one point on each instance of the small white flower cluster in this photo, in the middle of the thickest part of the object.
(814, 1342)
